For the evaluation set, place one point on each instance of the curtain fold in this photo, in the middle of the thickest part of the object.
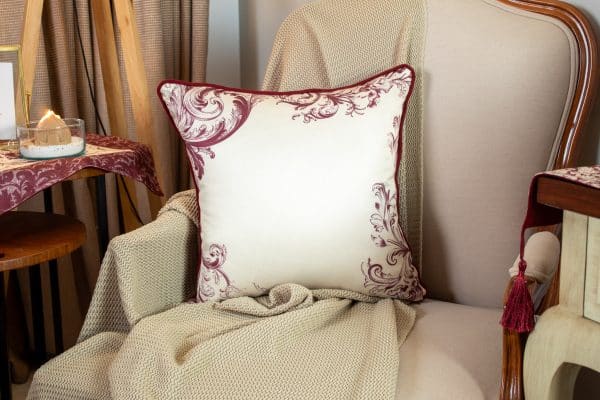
(174, 38)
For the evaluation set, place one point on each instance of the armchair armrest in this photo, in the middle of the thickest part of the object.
(542, 254)
(146, 271)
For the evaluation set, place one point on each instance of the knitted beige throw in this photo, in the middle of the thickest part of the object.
(293, 344)
(331, 43)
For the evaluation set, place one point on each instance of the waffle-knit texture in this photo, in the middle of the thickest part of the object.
(146, 271)
(328, 43)
(142, 340)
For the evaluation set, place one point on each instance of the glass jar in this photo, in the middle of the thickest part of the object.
(55, 142)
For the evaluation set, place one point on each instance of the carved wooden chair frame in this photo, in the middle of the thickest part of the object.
(513, 344)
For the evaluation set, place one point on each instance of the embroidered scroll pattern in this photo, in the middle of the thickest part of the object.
(312, 106)
(213, 283)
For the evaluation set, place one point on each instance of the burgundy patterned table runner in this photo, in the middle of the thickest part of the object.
(21, 179)
(518, 312)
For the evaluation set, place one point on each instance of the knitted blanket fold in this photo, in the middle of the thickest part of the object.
(292, 344)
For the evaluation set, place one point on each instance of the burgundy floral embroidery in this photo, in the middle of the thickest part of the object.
(205, 116)
(213, 277)
(394, 136)
(355, 100)
(399, 278)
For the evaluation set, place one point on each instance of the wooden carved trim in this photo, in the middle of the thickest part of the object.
(513, 347)
(513, 344)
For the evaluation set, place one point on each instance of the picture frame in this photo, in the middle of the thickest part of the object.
(13, 109)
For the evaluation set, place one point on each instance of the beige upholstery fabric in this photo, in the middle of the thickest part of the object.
(453, 352)
(437, 359)
(81, 373)
(262, 349)
(497, 81)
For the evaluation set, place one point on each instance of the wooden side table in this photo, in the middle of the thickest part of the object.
(28, 239)
(567, 336)
(22, 179)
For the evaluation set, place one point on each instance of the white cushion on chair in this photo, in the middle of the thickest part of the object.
(298, 187)
(453, 352)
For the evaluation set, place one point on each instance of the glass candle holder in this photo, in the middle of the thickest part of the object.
(42, 143)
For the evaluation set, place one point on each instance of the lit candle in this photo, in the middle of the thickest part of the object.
(52, 137)
(52, 130)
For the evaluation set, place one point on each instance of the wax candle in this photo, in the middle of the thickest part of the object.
(52, 130)
(52, 137)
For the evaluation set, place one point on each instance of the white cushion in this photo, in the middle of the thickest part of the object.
(298, 187)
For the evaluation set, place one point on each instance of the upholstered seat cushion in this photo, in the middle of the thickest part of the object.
(453, 352)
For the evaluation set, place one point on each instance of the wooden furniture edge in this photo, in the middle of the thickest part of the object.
(72, 235)
(513, 344)
(86, 173)
(559, 193)
(30, 40)
(513, 348)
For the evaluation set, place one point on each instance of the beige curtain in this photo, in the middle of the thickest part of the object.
(174, 43)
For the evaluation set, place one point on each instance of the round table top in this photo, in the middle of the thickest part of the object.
(29, 238)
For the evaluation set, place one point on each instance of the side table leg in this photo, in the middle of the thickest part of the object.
(54, 285)
(56, 308)
(5, 389)
(101, 214)
(37, 311)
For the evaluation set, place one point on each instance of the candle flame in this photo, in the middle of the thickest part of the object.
(49, 114)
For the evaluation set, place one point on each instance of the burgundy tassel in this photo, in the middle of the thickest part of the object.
(518, 312)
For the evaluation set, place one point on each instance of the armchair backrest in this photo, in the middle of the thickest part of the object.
(507, 89)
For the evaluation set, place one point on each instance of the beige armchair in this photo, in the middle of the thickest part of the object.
(507, 90)
(508, 85)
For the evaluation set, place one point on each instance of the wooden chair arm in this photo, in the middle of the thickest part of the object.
(513, 347)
